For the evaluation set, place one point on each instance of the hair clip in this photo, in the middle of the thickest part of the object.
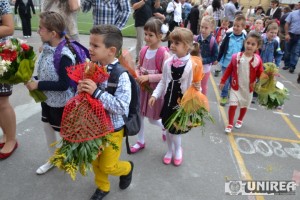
(164, 29)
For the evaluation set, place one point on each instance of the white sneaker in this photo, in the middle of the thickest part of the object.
(44, 168)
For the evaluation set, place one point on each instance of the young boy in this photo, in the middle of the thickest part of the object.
(221, 31)
(105, 43)
(270, 51)
(232, 43)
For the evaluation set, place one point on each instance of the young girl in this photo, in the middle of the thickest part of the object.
(208, 48)
(150, 73)
(244, 68)
(176, 79)
(54, 82)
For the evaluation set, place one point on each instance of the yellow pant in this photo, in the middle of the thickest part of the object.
(108, 163)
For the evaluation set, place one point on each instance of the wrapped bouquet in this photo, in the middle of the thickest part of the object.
(17, 64)
(271, 93)
(85, 125)
(193, 109)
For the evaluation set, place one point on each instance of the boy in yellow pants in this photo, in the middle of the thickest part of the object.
(105, 43)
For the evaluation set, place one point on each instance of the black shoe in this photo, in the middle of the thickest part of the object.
(298, 79)
(126, 179)
(285, 68)
(291, 70)
(99, 195)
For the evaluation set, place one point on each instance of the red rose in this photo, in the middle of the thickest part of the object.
(25, 47)
(8, 55)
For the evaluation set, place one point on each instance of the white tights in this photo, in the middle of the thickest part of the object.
(51, 137)
(141, 135)
(174, 141)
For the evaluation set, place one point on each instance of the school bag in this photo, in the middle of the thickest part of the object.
(159, 56)
(78, 50)
(133, 121)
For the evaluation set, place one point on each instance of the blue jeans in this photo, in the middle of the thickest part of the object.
(224, 92)
(292, 51)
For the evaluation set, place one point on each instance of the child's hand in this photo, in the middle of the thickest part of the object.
(32, 85)
(221, 86)
(142, 79)
(151, 101)
(86, 85)
(197, 85)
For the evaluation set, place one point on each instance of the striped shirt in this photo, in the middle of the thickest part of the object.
(115, 12)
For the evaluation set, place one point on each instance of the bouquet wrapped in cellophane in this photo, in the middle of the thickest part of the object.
(85, 125)
(125, 60)
(271, 93)
(17, 64)
(193, 109)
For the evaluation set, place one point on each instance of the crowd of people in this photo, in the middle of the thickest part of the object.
(217, 32)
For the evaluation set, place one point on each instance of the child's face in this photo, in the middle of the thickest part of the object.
(179, 48)
(205, 29)
(238, 27)
(251, 46)
(44, 33)
(98, 51)
(271, 34)
(258, 24)
(225, 24)
(151, 39)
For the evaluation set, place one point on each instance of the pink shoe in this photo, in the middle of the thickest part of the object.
(167, 161)
(134, 149)
(178, 162)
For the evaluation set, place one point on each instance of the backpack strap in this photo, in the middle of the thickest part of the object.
(114, 73)
(142, 54)
(159, 58)
(57, 54)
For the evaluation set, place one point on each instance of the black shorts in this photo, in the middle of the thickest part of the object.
(5, 90)
(52, 115)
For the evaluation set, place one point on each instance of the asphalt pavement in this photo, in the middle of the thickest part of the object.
(267, 147)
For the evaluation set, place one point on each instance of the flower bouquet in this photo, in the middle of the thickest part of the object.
(125, 60)
(17, 64)
(85, 125)
(271, 93)
(193, 109)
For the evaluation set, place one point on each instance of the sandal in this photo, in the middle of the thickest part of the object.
(137, 147)
(228, 129)
(238, 124)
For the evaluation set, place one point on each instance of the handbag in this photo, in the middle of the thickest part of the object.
(169, 18)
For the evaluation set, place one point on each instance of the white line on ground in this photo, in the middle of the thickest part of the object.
(281, 113)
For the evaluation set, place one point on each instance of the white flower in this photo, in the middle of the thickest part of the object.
(4, 66)
(7, 45)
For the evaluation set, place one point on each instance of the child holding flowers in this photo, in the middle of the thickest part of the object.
(244, 68)
(55, 83)
(105, 43)
(151, 59)
(176, 79)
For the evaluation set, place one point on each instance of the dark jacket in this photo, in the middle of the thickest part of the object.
(276, 15)
(24, 10)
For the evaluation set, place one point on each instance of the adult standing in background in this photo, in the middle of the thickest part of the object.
(216, 11)
(286, 11)
(230, 11)
(175, 7)
(292, 38)
(194, 18)
(22, 7)
(274, 12)
(8, 142)
(143, 10)
(187, 7)
(68, 10)
(115, 12)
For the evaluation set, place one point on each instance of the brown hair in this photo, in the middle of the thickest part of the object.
(153, 25)
(183, 35)
(241, 18)
(209, 19)
(112, 36)
(53, 21)
(272, 26)
(255, 35)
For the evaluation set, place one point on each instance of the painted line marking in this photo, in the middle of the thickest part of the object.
(290, 124)
(297, 116)
(266, 137)
(243, 170)
(280, 113)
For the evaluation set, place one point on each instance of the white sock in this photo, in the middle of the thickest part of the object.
(50, 137)
(140, 135)
(170, 145)
(177, 144)
(159, 124)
